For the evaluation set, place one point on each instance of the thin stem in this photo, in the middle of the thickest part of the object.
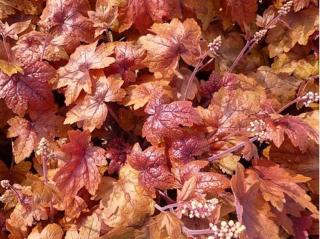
(109, 35)
(18, 194)
(169, 206)
(230, 150)
(241, 54)
(46, 181)
(296, 100)
(114, 115)
(191, 232)
(207, 63)
(250, 44)
(240, 145)
(195, 71)
(166, 196)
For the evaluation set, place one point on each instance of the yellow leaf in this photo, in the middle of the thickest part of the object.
(281, 86)
(312, 118)
(10, 68)
(128, 203)
(298, 28)
(303, 68)
(52, 231)
(90, 228)
(165, 225)
(228, 164)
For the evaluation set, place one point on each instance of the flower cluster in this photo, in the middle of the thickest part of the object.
(285, 9)
(215, 45)
(258, 128)
(259, 35)
(5, 184)
(43, 147)
(226, 230)
(198, 209)
(309, 98)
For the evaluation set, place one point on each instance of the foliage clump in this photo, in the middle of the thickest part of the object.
(159, 119)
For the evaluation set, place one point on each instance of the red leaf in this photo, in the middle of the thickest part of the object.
(81, 168)
(208, 183)
(27, 138)
(28, 90)
(301, 227)
(142, 13)
(66, 20)
(166, 119)
(298, 131)
(128, 59)
(152, 165)
(34, 46)
(191, 168)
(117, 151)
(75, 76)
(147, 90)
(306, 163)
(243, 11)
(187, 146)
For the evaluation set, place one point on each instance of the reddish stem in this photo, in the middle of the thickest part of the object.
(250, 44)
(18, 194)
(46, 180)
(241, 54)
(165, 196)
(191, 232)
(169, 206)
(296, 100)
(193, 74)
(113, 115)
(230, 150)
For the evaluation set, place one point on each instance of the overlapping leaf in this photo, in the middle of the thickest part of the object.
(172, 41)
(67, 21)
(142, 13)
(28, 90)
(91, 111)
(81, 169)
(75, 76)
(165, 120)
(152, 166)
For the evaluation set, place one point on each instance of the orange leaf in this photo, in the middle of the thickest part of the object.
(91, 111)
(173, 40)
(252, 210)
(75, 76)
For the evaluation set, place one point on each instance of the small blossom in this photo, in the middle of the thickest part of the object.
(258, 128)
(285, 9)
(309, 98)
(5, 184)
(259, 35)
(215, 45)
(199, 209)
(226, 230)
(43, 147)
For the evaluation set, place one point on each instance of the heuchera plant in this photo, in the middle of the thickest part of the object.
(167, 119)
